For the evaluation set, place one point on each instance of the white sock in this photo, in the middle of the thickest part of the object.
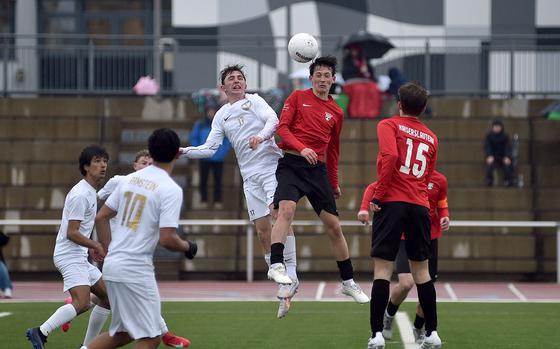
(163, 326)
(61, 316)
(348, 282)
(290, 258)
(267, 259)
(97, 319)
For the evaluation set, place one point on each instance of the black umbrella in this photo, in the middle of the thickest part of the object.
(371, 45)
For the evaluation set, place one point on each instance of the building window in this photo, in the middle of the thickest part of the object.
(7, 26)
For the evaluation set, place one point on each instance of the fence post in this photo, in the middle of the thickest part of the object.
(427, 65)
(91, 72)
(250, 266)
(558, 252)
(511, 68)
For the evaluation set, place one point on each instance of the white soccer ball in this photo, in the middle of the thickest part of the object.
(303, 47)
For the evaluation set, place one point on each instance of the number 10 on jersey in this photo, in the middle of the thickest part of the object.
(133, 208)
(418, 169)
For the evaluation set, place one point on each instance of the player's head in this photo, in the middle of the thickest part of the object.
(163, 145)
(93, 161)
(142, 159)
(322, 74)
(233, 81)
(412, 99)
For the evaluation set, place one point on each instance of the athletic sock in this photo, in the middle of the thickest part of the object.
(267, 259)
(345, 269)
(277, 253)
(290, 257)
(392, 309)
(62, 315)
(378, 303)
(419, 322)
(427, 298)
(163, 326)
(97, 319)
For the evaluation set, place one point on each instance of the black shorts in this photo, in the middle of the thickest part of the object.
(394, 219)
(403, 267)
(297, 178)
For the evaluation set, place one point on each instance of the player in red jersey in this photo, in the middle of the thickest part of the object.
(310, 126)
(405, 163)
(439, 219)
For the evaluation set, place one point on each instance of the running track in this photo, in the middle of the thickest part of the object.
(308, 290)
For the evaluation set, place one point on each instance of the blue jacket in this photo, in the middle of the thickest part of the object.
(199, 134)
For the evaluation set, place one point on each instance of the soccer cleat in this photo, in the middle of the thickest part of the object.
(172, 340)
(8, 293)
(277, 272)
(419, 335)
(387, 326)
(285, 295)
(65, 327)
(354, 291)
(377, 342)
(36, 338)
(431, 342)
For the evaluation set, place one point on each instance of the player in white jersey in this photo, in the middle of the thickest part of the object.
(71, 252)
(142, 159)
(147, 205)
(249, 123)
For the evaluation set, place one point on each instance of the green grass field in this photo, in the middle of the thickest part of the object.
(310, 325)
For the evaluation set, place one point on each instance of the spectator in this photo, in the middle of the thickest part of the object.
(397, 80)
(498, 154)
(5, 282)
(198, 137)
(364, 98)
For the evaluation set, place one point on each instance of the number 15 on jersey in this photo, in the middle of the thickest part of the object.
(419, 162)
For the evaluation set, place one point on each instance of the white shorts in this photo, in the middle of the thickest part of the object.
(77, 272)
(259, 193)
(135, 308)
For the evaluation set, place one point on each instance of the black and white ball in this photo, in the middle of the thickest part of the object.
(302, 47)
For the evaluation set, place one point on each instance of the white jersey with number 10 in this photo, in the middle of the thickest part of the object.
(145, 201)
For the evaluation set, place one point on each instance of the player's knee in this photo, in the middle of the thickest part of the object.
(407, 284)
(81, 305)
(286, 213)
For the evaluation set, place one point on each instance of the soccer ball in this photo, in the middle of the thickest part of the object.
(303, 47)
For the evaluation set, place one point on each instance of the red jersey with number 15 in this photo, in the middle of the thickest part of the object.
(406, 160)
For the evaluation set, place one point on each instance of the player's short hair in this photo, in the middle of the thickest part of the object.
(413, 98)
(324, 61)
(163, 145)
(89, 153)
(230, 69)
(141, 154)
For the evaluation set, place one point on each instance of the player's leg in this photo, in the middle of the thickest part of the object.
(218, 169)
(399, 292)
(171, 339)
(419, 320)
(100, 311)
(417, 235)
(147, 343)
(105, 341)
(286, 196)
(386, 234)
(204, 166)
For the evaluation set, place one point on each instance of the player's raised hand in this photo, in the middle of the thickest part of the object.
(363, 216)
(182, 151)
(254, 142)
(310, 155)
(444, 222)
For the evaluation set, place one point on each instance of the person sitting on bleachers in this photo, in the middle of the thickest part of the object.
(498, 154)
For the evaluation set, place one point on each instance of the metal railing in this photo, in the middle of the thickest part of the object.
(109, 64)
(250, 230)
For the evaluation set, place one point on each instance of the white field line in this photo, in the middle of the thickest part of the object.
(405, 329)
(320, 290)
(450, 291)
(516, 292)
(4, 314)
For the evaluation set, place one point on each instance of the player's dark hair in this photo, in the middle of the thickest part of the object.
(230, 69)
(413, 98)
(163, 145)
(89, 153)
(324, 61)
